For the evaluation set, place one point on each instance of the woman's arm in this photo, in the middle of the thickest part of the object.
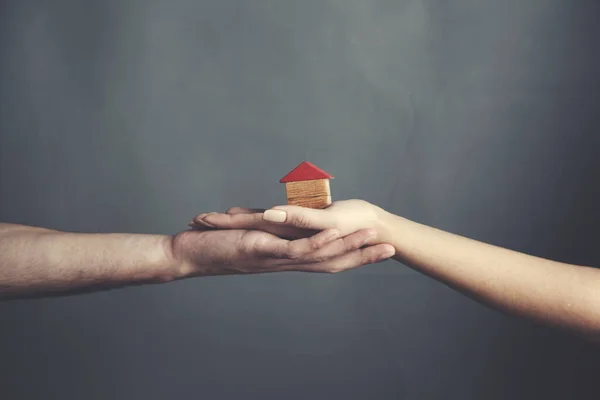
(547, 291)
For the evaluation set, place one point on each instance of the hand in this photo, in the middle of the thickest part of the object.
(347, 217)
(203, 251)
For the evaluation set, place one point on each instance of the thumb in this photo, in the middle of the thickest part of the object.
(300, 217)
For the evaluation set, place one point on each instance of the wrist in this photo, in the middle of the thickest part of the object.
(172, 266)
(390, 227)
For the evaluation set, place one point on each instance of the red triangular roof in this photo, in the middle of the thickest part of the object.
(305, 172)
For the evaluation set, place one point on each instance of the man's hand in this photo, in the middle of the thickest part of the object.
(354, 220)
(204, 251)
(37, 262)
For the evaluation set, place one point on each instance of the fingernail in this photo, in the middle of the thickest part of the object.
(195, 224)
(387, 255)
(203, 219)
(200, 218)
(275, 215)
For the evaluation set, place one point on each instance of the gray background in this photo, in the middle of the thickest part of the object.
(478, 117)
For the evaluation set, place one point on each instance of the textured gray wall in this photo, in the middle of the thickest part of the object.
(479, 117)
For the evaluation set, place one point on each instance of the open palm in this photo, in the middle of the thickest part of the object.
(244, 242)
(237, 251)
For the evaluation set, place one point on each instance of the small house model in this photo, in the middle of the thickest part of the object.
(308, 186)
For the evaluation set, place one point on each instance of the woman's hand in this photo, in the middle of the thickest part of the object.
(244, 243)
(348, 217)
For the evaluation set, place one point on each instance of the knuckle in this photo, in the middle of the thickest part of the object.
(370, 258)
(314, 244)
(301, 222)
(232, 210)
(250, 243)
(293, 253)
(350, 245)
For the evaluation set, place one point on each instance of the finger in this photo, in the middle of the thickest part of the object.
(199, 220)
(296, 249)
(200, 224)
(335, 248)
(300, 217)
(199, 227)
(354, 259)
(287, 232)
(343, 245)
(255, 222)
(241, 210)
(232, 221)
(231, 211)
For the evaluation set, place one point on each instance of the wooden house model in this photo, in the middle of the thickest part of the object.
(308, 186)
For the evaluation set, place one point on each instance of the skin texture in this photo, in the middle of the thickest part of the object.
(558, 294)
(40, 262)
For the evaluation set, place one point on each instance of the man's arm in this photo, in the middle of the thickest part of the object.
(37, 261)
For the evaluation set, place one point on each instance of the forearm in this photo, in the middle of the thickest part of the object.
(36, 261)
(551, 292)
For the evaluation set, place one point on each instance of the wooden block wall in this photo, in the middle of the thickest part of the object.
(301, 189)
(311, 202)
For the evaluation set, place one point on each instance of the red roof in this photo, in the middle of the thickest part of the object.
(305, 172)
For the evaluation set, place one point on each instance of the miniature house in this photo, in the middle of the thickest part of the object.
(308, 186)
